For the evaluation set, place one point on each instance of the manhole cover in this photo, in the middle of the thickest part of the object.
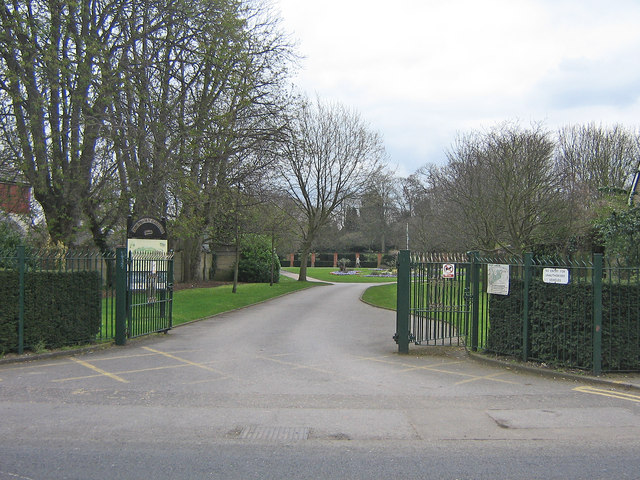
(274, 433)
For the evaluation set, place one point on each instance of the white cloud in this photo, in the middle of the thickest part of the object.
(420, 71)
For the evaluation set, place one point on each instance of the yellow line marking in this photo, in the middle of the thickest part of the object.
(208, 380)
(436, 368)
(99, 370)
(183, 360)
(124, 372)
(297, 365)
(609, 393)
(85, 377)
(136, 355)
(486, 377)
(408, 367)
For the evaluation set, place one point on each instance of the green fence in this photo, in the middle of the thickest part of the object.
(577, 313)
(58, 298)
(55, 298)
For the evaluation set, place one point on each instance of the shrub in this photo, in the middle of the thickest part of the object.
(344, 263)
(255, 260)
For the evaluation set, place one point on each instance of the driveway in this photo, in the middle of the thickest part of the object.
(308, 385)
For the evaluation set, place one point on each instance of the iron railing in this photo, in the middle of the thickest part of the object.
(568, 312)
(40, 302)
(58, 297)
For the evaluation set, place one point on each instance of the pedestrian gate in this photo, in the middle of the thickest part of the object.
(434, 299)
(144, 285)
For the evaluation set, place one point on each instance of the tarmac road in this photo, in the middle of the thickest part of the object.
(305, 386)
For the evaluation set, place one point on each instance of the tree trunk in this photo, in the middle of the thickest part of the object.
(304, 255)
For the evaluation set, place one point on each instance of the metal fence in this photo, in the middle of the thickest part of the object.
(57, 298)
(569, 312)
(45, 292)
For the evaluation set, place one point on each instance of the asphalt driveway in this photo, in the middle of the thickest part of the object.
(317, 367)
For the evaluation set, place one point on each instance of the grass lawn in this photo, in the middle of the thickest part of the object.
(324, 274)
(384, 296)
(197, 303)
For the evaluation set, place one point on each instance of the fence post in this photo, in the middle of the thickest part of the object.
(21, 266)
(121, 296)
(475, 299)
(170, 288)
(597, 313)
(403, 301)
(528, 261)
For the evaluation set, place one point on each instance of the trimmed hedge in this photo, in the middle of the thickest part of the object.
(60, 309)
(561, 324)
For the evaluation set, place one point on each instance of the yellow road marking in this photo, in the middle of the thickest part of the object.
(609, 393)
(297, 365)
(183, 360)
(208, 380)
(436, 367)
(486, 377)
(99, 370)
(135, 355)
(124, 372)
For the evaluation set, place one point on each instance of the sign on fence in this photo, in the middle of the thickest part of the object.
(555, 275)
(448, 270)
(498, 279)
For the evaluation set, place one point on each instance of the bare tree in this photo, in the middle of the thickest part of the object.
(595, 161)
(330, 158)
(593, 157)
(505, 187)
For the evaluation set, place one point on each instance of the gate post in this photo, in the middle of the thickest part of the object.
(475, 299)
(597, 313)
(121, 296)
(528, 261)
(403, 301)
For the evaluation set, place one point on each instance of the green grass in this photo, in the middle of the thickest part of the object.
(197, 303)
(384, 296)
(324, 274)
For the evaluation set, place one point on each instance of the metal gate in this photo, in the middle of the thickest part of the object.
(440, 306)
(440, 299)
(436, 304)
(144, 294)
(149, 294)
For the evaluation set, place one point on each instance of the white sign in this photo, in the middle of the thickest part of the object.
(498, 279)
(448, 270)
(555, 275)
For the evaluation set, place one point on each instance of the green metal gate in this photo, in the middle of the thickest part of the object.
(144, 285)
(437, 300)
(440, 299)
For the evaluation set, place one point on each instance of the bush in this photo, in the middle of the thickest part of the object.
(255, 260)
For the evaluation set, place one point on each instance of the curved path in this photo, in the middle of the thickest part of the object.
(308, 385)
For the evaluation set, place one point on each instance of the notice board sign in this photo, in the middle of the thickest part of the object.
(498, 279)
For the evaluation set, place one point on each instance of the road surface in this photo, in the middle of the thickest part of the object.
(306, 386)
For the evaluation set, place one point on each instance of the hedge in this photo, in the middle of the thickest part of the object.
(60, 309)
(561, 324)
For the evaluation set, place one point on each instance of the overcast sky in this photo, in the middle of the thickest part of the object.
(420, 72)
